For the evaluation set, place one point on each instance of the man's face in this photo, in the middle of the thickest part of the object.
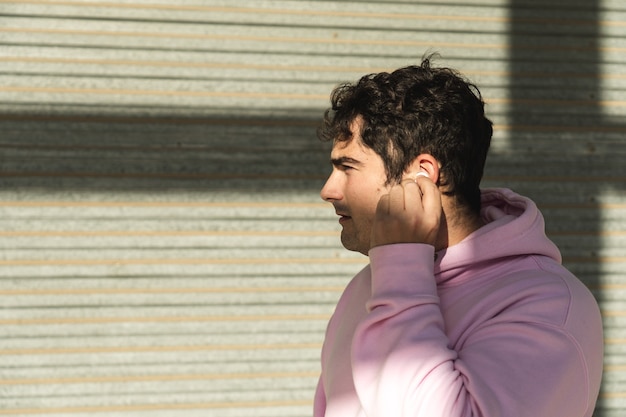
(354, 187)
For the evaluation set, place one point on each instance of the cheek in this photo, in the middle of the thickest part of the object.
(370, 201)
(364, 196)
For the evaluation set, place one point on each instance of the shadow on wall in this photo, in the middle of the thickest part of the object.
(566, 151)
(134, 154)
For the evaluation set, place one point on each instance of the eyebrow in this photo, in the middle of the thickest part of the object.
(344, 159)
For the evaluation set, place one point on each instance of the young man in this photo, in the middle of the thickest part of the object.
(464, 309)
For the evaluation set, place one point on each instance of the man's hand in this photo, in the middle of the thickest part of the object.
(410, 213)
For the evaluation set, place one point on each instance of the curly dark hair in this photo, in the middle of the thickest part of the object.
(415, 110)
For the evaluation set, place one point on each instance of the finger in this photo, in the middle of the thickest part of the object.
(431, 198)
(412, 195)
(396, 199)
(383, 205)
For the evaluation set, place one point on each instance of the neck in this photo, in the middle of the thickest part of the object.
(456, 224)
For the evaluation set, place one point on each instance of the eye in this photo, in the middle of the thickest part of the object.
(345, 164)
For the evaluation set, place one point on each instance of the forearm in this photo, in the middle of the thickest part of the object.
(400, 351)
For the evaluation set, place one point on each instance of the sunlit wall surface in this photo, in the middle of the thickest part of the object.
(164, 248)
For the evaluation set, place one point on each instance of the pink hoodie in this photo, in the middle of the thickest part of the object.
(494, 327)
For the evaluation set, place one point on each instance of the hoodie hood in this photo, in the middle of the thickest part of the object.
(513, 227)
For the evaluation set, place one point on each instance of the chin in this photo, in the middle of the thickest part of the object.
(348, 243)
(353, 245)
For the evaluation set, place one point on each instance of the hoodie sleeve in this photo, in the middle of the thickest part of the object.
(403, 365)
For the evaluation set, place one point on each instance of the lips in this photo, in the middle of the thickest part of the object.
(343, 218)
(343, 214)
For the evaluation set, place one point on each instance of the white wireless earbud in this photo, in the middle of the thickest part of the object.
(421, 174)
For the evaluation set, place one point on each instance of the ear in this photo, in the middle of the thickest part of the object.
(424, 163)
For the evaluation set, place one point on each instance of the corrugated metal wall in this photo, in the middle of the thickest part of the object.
(164, 248)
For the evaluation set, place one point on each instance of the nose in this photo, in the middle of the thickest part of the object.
(331, 191)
